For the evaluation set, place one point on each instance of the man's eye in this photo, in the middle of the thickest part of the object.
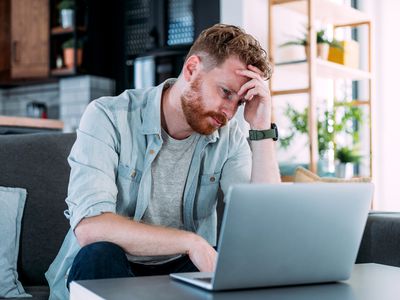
(227, 93)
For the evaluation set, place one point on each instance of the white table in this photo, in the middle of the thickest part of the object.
(368, 282)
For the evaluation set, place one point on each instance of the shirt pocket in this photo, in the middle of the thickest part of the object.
(206, 199)
(128, 181)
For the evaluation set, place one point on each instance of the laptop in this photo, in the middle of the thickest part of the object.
(287, 234)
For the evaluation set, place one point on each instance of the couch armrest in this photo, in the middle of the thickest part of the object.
(381, 239)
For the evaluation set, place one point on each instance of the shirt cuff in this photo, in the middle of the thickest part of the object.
(93, 210)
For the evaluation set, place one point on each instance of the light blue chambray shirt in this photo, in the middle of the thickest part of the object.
(117, 140)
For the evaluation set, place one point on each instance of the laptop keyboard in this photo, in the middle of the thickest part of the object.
(206, 279)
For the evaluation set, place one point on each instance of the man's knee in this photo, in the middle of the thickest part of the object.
(100, 251)
(99, 260)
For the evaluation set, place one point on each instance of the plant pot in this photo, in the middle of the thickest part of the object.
(323, 51)
(69, 57)
(67, 17)
(345, 170)
(327, 161)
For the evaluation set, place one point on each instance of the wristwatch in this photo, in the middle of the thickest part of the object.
(255, 135)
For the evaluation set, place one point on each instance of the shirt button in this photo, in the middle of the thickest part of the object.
(151, 151)
(212, 178)
(133, 174)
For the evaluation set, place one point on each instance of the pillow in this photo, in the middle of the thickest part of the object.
(303, 175)
(12, 202)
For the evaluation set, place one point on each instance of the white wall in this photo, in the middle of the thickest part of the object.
(252, 16)
(387, 102)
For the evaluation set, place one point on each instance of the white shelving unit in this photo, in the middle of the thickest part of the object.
(339, 16)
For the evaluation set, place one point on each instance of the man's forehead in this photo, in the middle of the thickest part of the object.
(232, 81)
(228, 75)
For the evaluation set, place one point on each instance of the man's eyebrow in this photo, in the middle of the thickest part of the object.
(228, 88)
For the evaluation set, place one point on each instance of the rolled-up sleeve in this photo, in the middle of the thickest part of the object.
(237, 168)
(93, 159)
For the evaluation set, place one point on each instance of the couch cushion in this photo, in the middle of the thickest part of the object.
(40, 292)
(381, 240)
(38, 163)
(12, 202)
(306, 176)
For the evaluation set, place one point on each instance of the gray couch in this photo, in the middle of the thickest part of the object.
(38, 162)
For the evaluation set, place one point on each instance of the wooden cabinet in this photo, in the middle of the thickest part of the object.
(24, 38)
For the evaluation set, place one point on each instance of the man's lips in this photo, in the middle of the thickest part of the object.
(219, 123)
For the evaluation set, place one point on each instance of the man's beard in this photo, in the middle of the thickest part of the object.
(195, 113)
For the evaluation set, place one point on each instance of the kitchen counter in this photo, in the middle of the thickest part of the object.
(11, 125)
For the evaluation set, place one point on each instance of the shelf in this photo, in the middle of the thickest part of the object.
(327, 11)
(60, 30)
(31, 123)
(302, 80)
(325, 69)
(11, 82)
(62, 72)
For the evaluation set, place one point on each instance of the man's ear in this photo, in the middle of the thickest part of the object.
(191, 67)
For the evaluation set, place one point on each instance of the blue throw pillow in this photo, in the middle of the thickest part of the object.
(12, 202)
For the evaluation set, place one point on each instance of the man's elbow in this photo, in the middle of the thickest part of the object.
(83, 233)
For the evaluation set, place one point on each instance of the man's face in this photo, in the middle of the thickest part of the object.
(212, 100)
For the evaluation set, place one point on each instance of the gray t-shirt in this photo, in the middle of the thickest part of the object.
(169, 171)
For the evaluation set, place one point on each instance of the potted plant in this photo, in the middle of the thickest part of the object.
(323, 44)
(346, 157)
(69, 53)
(67, 13)
(329, 125)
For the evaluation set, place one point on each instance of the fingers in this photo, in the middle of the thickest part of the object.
(256, 87)
(255, 69)
(203, 256)
(248, 85)
(249, 73)
(253, 88)
(250, 94)
(250, 70)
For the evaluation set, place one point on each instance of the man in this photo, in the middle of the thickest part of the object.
(146, 165)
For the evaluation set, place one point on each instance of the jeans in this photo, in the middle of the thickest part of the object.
(107, 260)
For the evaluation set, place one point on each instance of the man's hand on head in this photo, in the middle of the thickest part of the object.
(257, 96)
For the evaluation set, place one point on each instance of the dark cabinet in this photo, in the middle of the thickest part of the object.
(68, 37)
(91, 38)
(159, 33)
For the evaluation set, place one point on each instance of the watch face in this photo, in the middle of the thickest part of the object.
(274, 127)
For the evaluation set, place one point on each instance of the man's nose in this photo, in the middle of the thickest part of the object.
(229, 109)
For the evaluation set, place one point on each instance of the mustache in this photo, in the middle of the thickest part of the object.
(221, 118)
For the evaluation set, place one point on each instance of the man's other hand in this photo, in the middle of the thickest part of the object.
(202, 255)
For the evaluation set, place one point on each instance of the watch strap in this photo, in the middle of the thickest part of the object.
(255, 135)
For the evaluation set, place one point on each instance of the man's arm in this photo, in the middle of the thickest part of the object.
(142, 239)
(264, 163)
(257, 112)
